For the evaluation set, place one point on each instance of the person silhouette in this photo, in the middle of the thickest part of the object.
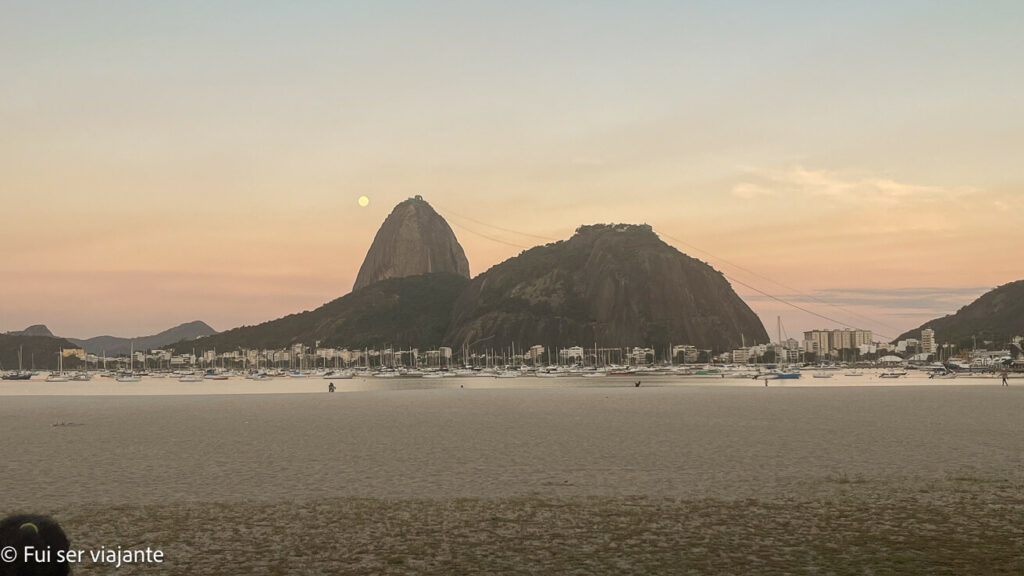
(330, 387)
(46, 538)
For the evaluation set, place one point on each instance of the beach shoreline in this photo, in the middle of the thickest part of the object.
(673, 479)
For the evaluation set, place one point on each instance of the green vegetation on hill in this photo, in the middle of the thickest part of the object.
(997, 316)
(38, 351)
(614, 285)
(413, 311)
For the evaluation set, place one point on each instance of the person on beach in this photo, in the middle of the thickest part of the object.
(765, 382)
(637, 385)
(43, 535)
(1005, 383)
(330, 387)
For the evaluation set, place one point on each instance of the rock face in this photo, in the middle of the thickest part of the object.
(614, 285)
(996, 316)
(34, 330)
(414, 239)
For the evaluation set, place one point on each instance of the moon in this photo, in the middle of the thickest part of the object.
(364, 201)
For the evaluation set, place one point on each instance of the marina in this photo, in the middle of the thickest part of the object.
(361, 381)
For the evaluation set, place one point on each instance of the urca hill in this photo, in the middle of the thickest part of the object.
(615, 285)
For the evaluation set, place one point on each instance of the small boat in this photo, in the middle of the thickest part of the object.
(892, 374)
(191, 378)
(854, 373)
(20, 374)
(59, 375)
(778, 375)
(130, 375)
(17, 376)
(823, 374)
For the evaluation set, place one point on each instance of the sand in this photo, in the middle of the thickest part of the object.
(578, 480)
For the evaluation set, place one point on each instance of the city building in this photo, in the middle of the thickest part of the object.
(927, 341)
(686, 353)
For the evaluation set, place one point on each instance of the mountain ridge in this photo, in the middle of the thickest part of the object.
(997, 316)
(114, 345)
(613, 284)
(411, 311)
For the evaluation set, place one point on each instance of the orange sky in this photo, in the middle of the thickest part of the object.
(184, 162)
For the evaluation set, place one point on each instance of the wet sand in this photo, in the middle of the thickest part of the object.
(587, 480)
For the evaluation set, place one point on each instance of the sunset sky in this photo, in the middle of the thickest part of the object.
(168, 162)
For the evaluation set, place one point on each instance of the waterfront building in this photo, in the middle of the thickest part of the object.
(641, 355)
(825, 341)
(928, 341)
(910, 345)
(687, 353)
(76, 352)
(821, 341)
(571, 355)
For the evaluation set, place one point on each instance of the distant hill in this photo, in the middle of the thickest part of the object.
(38, 351)
(34, 330)
(995, 316)
(413, 311)
(613, 285)
(112, 345)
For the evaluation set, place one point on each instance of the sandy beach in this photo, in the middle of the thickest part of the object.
(579, 480)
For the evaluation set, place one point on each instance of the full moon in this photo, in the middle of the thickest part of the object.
(364, 201)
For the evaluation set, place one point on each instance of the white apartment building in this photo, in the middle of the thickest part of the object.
(928, 341)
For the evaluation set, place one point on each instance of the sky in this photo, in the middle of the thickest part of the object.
(168, 162)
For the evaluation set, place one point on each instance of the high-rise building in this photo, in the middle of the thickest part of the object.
(821, 341)
(928, 341)
(841, 339)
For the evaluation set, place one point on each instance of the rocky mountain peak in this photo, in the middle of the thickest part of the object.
(414, 239)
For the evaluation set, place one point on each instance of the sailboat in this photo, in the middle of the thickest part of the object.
(59, 375)
(130, 376)
(20, 374)
(782, 373)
